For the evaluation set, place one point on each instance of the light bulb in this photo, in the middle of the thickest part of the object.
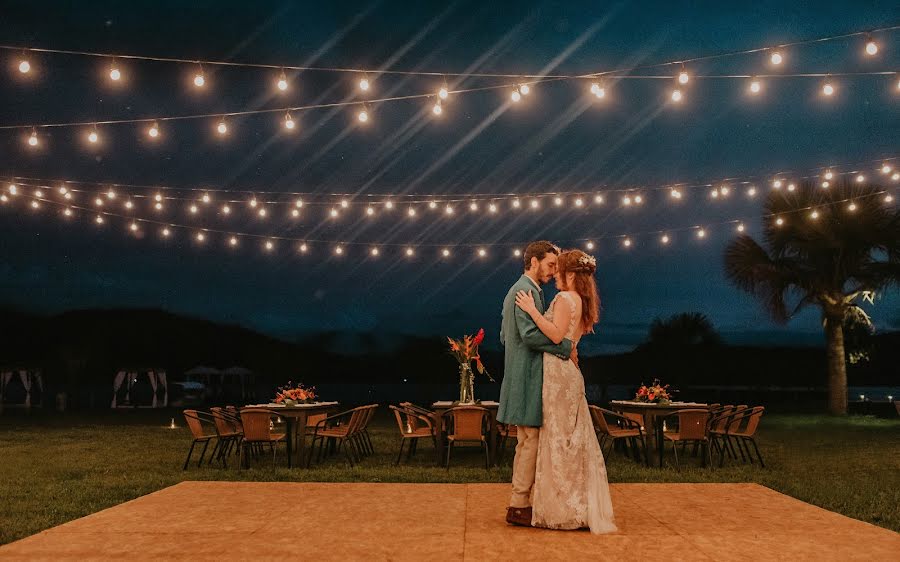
(860, 178)
(626, 200)
(388, 205)
(448, 210)
(334, 213)
(886, 169)
(791, 187)
(589, 245)
(63, 190)
(129, 204)
(598, 199)
(38, 193)
(201, 237)
(851, 207)
(776, 184)
(896, 176)
(473, 206)
(740, 228)
(153, 131)
(482, 252)
(826, 184)
(344, 203)
(262, 212)
(515, 96)
(724, 190)
(436, 109)
(269, 245)
(199, 80)
(134, 226)
(525, 89)
(289, 123)
(829, 175)
(535, 204)
(166, 232)
(410, 252)
(111, 194)
(298, 203)
(13, 189)
(755, 86)
(579, 202)
(445, 253)
(411, 212)
(714, 193)
(282, 82)
(304, 248)
(828, 89)
(888, 198)
(638, 199)
(233, 241)
(254, 202)
(115, 74)
(558, 201)
(701, 233)
(93, 137)
(516, 203)
(295, 213)
(364, 84)
(363, 116)
(871, 48)
(193, 209)
(664, 239)
(159, 206)
(432, 205)
(35, 204)
(68, 196)
(443, 93)
(814, 215)
(67, 212)
(779, 221)
(676, 95)
(683, 77)
(595, 87)
(517, 252)
(222, 128)
(626, 242)
(375, 251)
(98, 202)
(99, 219)
(370, 211)
(33, 139)
(24, 66)
(776, 58)
(158, 197)
(492, 208)
(226, 209)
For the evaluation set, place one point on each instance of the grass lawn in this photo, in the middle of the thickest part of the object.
(56, 468)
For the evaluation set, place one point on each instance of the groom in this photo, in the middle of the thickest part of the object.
(523, 373)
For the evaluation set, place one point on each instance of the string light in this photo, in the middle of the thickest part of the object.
(206, 198)
(888, 198)
(222, 128)
(24, 67)
(779, 221)
(289, 122)
(829, 174)
(492, 208)
(627, 242)
(411, 212)
(269, 245)
(777, 184)
(558, 201)
(199, 78)
(201, 237)
(67, 212)
(683, 77)
(99, 219)
(860, 178)
(254, 202)
(153, 131)
(233, 241)
(35, 204)
(589, 245)
(776, 58)
(443, 93)
(701, 233)
(98, 202)
(598, 90)
(791, 187)
(389, 205)
(166, 232)
(159, 206)
(515, 96)
(638, 199)
(375, 251)
(436, 109)
(896, 176)
(38, 193)
(303, 248)
(828, 89)
(226, 210)
(194, 209)
(114, 73)
(129, 204)
(751, 191)
(134, 227)
(826, 184)
(755, 86)
(445, 252)
(626, 200)
(410, 252)
(364, 84)
(4, 198)
(369, 211)
(598, 199)
(740, 227)
(516, 203)
(871, 47)
(814, 215)
(295, 213)
(33, 139)
(517, 252)
(525, 89)
(886, 169)
(664, 239)
(363, 116)
(13, 189)
(448, 210)
(158, 197)
(93, 137)
(535, 204)
(473, 206)
(482, 252)
(282, 82)
(677, 95)
(851, 207)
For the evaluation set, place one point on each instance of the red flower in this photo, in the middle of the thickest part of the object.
(651, 397)
(479, 337)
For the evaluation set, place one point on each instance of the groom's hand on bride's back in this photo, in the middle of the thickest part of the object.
(574, 356)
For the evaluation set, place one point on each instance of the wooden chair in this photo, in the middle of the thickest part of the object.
(467, 424)
(413, 426)
(719, 419)
(626, 428)
(693, 427)
(228, 435)
(203, 430)
(365, 440)
(504, 432)
(257, 431)
(339, 430)
(742, 428)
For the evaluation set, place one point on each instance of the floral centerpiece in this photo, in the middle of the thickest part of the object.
(465, 351)
(291, 394)
(655, 393)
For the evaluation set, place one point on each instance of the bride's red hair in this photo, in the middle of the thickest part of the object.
(584, 267)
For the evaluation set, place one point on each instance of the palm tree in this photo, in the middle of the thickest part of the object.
(825, 246)
(687, 328)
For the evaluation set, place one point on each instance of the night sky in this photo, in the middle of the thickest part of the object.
(558, 139)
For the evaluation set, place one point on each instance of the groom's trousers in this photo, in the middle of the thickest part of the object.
(524, 465)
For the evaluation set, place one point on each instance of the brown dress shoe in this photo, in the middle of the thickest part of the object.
(519, 516)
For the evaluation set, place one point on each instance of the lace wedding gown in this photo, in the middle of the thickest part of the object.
(570, 486)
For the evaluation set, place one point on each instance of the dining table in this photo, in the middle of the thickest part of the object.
(653, 413)
(295, 417)
(442, 406)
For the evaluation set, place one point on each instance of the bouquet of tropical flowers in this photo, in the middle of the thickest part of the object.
(466, 351)
(656, 393)
(290, 394)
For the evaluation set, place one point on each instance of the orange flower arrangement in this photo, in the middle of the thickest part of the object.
(290, 393)
(656, 393)
(466, 351)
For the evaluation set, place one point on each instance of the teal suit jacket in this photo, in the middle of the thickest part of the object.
(523, 368)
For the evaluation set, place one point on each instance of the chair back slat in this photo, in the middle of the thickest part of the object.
(468, 423)
(256, 424)
(692, 423)
(222, 425)
(600, 424)
(753, 421)
(192, 418)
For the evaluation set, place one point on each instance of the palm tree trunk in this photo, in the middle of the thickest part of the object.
(837, 367)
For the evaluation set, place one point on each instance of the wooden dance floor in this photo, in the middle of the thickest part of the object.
(323, 521)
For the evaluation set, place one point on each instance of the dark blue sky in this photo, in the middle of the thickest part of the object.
(558, 141)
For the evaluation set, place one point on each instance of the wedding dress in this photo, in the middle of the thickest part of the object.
(570, 487)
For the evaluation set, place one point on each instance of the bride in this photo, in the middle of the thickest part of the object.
(570, 487)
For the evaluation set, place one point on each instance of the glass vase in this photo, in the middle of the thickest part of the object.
(466, 385)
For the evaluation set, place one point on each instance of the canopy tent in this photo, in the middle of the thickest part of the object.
(221, 384)
(124, 386)
(21, 382)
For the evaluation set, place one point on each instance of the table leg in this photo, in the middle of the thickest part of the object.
(439, 448)
(301, 438)
(289, 423)
(660, 444)
(492, 444)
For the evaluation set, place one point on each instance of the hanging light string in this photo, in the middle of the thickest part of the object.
(521, 86)
(444, 73)
(588, 197)
(202, 233)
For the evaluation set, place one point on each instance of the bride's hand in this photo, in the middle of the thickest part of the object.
(525, 301)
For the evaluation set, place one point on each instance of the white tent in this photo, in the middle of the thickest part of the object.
(129, 377)
(30, 379)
